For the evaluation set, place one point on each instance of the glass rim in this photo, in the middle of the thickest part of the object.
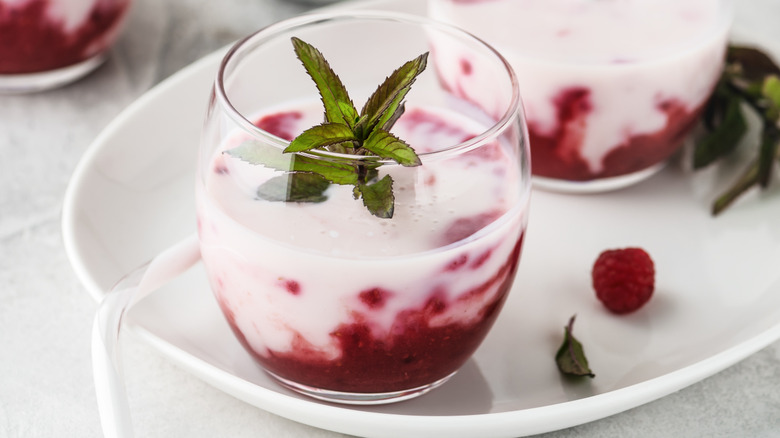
(511, 112)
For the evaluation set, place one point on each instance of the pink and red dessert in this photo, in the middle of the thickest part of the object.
(43, 35)
(610, 88)
(327, 296)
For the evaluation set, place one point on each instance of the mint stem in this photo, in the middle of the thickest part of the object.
(768, 152)
(751, 177)
(750, 76)
(364, 133)
(743, 184)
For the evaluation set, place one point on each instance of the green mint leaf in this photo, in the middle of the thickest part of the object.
(338, 105)
(727, 126)
(294, 187)
(261, 154)
(571, 356)
(770, 89)
(386, 145)
(388, 122)
(378, 197)
(380, 109)
(321, 136)
(345, 131)
(750, 81)
(337, 172)
(368, 171)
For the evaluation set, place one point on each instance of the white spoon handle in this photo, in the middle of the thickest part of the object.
(109, 386)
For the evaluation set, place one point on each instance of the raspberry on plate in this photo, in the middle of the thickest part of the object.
(624, 279)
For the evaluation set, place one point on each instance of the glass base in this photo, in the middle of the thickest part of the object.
(40, 81)
(595, 186)
(360, 398)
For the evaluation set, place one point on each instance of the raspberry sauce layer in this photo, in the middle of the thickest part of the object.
(558, 154)
(415, 352)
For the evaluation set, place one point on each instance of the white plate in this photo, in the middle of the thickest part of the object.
(717, 299)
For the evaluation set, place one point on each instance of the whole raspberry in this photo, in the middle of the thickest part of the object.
(624, 279)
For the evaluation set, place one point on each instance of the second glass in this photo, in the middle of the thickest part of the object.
(333, 301)
(48, 43)
(611, 88)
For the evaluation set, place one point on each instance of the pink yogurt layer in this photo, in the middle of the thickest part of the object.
(328, 296)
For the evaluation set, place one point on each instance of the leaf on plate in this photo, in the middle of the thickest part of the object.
(726, 126)
(750, 81)
(571, 358)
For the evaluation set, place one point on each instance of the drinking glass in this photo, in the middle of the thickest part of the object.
(48, 43)
(331, 300)
(611, 88)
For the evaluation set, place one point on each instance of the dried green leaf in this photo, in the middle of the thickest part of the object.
(570, 357)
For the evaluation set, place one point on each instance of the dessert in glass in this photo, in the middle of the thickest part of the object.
(330, 299)
(48, 43)
(611, 88)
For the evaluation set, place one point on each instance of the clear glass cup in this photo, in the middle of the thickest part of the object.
(611, 88)
(49, 43)
(331, 300)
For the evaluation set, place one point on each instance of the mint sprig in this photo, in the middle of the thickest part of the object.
(750, 81)
(345, 131)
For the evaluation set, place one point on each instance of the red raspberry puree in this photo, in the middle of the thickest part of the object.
(557, 155)
(413, 354)
(32, 42)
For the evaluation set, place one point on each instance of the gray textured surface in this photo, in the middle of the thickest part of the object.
(46, 385)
